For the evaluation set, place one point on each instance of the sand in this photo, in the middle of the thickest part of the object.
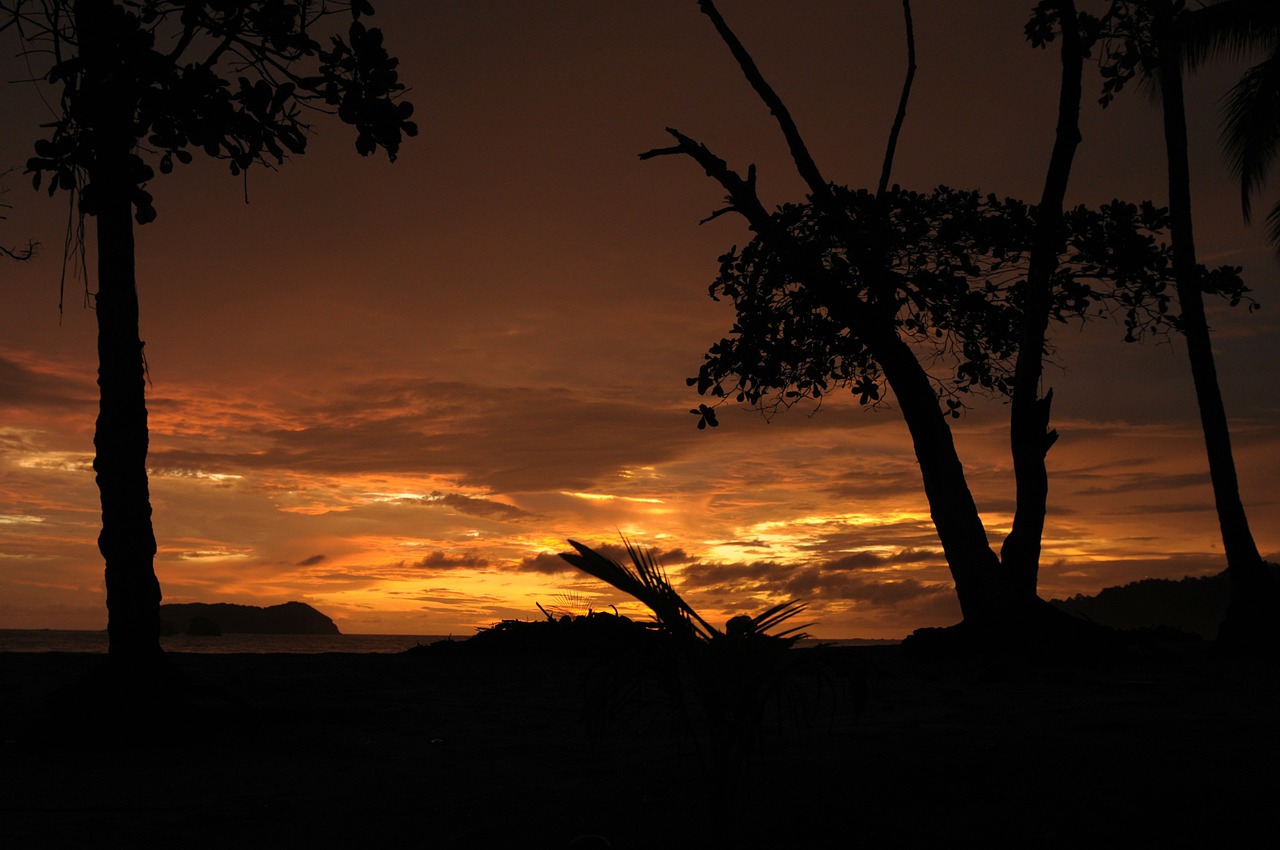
(452, 750)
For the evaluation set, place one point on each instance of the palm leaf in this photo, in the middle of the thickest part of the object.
(1228, 29)
(647, 582)
(1237, 30)
(1273, 227)
(780, 613)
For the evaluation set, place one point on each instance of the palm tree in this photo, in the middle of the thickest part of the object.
(1154, 40)
(1251, 116)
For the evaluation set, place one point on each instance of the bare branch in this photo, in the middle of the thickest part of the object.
(20, 254)
(742, 192)
(902, 101)
(799, 152)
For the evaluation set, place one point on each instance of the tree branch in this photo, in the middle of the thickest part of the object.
(742, 192)
(902, 101)
(799, 152)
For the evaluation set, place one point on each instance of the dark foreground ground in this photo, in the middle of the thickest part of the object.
(449, 750)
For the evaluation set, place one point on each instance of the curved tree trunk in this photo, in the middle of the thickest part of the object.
(127, 542)
(974, 566)
(1253, 592)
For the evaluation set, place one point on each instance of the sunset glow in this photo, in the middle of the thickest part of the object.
(395, 391)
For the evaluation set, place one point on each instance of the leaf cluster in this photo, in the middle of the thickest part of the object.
(945, 271)
(232, 79)
(1136, 34)
(1044, 25)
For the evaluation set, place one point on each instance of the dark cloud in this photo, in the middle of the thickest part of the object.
(742, 575)
(549, 563)
(838, 580)
(893, 480)
(546, 563)
(909, 535)
(476, 506)
(443, 560)
(1153, 509)
(1119, 482)
(312, 561)
(510, 439)
(747, 544)
(22, 387)
(875, 590)
(866, 560)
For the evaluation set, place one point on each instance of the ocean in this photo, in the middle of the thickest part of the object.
(54, 640)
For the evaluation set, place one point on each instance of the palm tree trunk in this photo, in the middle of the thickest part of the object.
(1252, 590)
(127, 541)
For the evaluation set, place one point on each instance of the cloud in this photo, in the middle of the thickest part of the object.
(756, 574)
(872, 590)
(866, 559)
(24, 388)
(443, 560)
(476, 506)
(549, 563)
(502, 439)
(747, 544)
(546, 563)
(1120, 482)
(312, 561)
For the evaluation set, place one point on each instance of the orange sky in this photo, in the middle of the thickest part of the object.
(393, 391)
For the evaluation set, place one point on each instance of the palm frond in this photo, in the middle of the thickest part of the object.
(647, 582)
(1251, 127)
(780, 613)
(1273, 228)
(1228, 29)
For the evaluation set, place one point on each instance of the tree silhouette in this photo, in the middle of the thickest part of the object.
(142, 84)
(859, 290)
(1251, 117)
(1148, 39)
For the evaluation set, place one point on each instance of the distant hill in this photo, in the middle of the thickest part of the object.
(1193, 604)
(200, 618)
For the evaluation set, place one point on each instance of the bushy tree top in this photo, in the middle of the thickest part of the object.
(233, 79)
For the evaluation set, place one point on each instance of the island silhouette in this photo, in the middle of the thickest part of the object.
(222, 618)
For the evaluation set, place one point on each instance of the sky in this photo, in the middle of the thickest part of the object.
(394, 391)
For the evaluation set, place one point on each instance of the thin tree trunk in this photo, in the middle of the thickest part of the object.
(1252, 589)
(127, 541)
(1030, 437)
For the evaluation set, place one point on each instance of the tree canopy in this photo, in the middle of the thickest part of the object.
(238, 81)
(949, 267)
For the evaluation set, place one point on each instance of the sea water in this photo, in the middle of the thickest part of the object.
(54, 640)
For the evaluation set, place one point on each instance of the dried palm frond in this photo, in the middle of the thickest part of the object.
(760, 624)
(647, 581)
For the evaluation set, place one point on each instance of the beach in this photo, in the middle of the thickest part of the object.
(455, 749)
